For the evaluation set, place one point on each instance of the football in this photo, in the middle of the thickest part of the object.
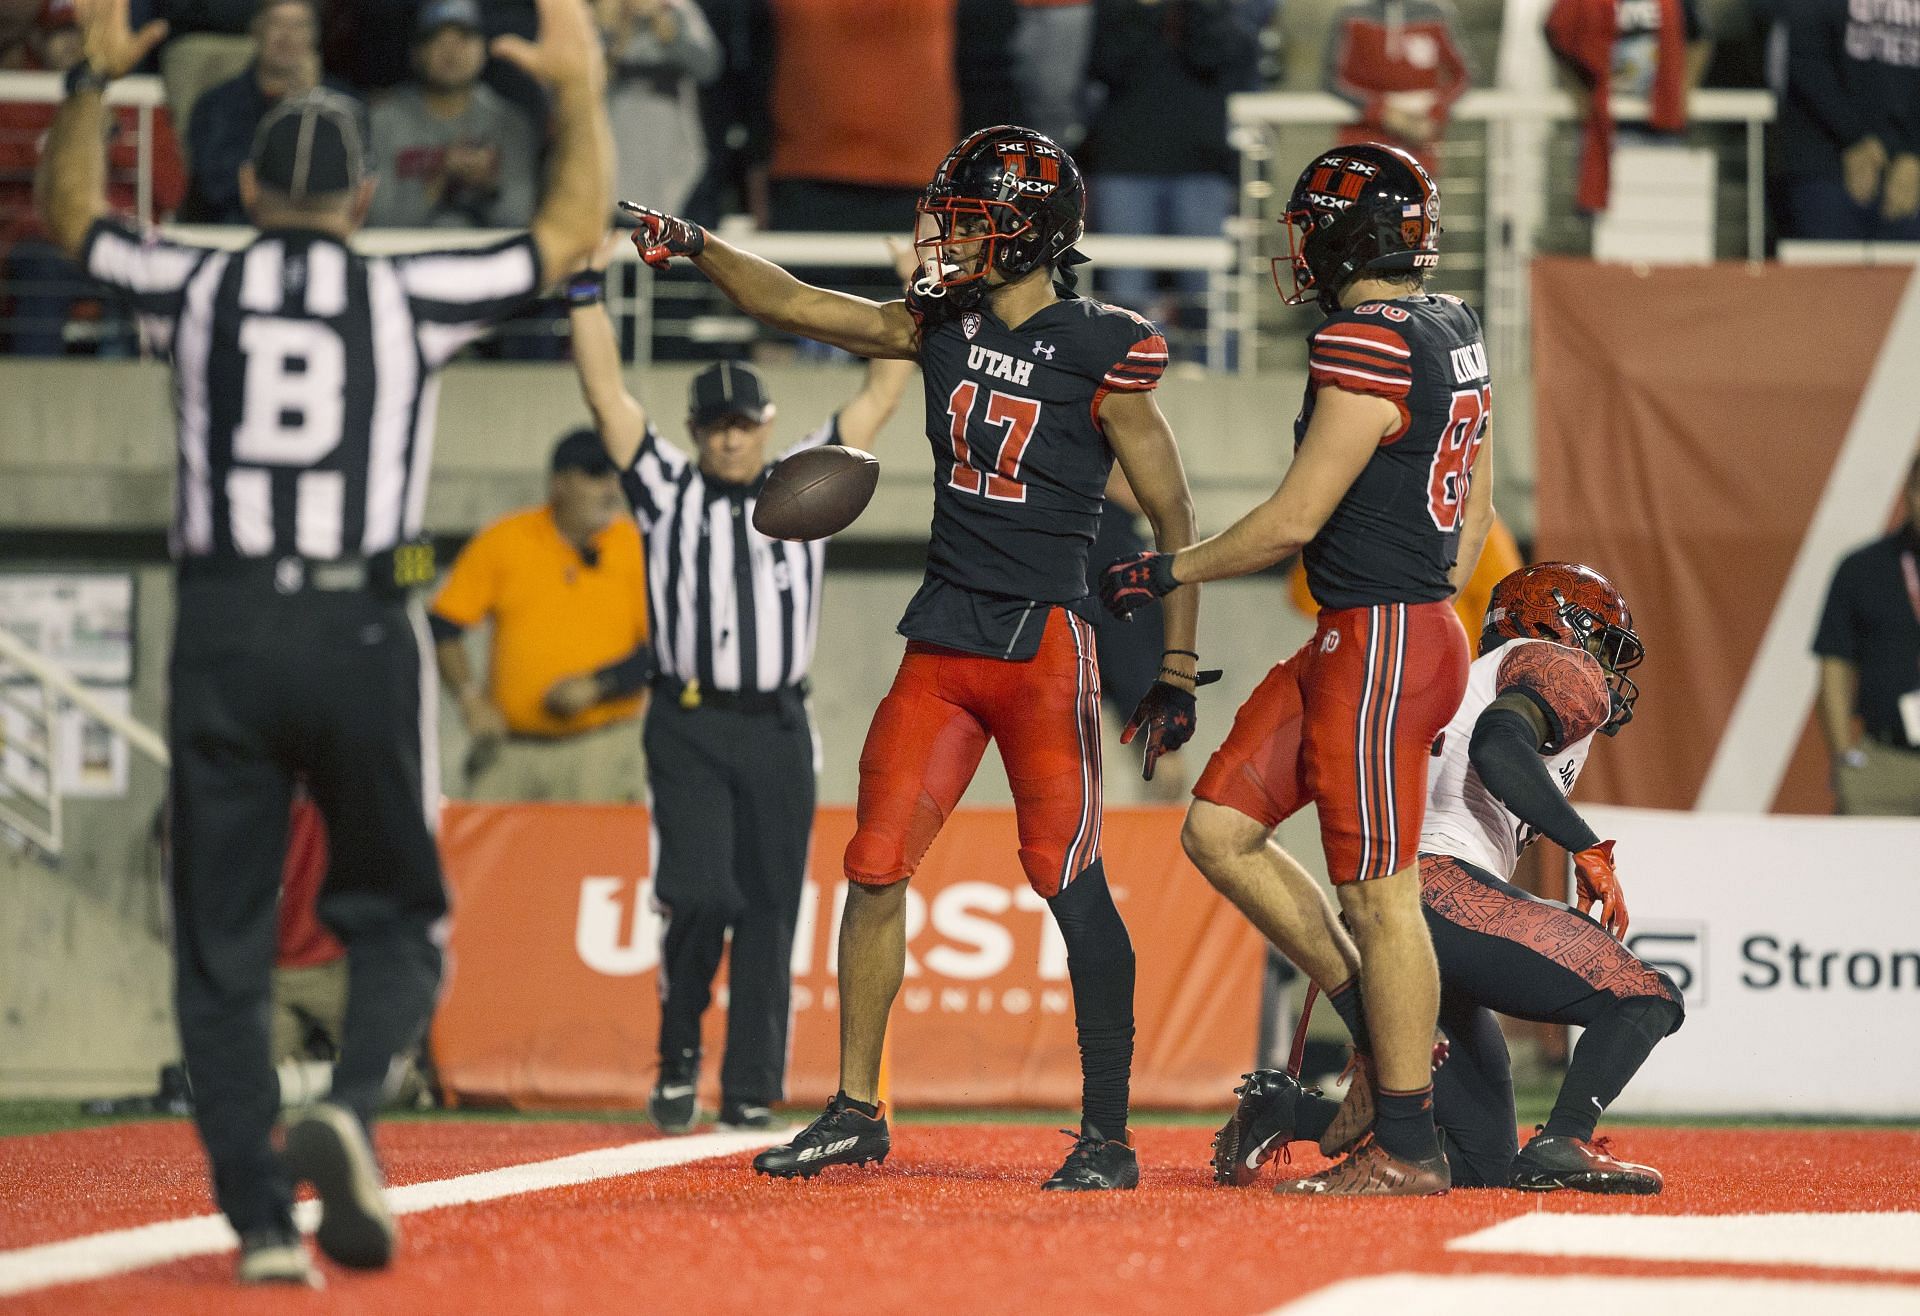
(816, 493)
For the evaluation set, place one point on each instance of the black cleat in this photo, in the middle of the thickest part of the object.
(1096, 1164)
(1549, 1163)
(1260, 1129)
(672, 1107)
(747, 1117)
(839, 1135)
(327, 1147)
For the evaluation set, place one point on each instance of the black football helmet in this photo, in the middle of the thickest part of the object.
(1007, 199)
(1367, 209)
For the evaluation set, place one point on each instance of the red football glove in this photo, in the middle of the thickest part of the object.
(660, 237)
(1594, 879)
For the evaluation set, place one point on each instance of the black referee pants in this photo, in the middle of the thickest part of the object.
(733, 797)
(338, 689)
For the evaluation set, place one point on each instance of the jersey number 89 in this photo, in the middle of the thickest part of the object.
(1452, 468)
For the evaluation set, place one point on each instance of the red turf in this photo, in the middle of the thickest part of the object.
(952, 1222)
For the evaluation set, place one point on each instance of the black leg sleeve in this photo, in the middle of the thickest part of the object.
(1100, 963)
(1605, 1060)
(1473, 1097)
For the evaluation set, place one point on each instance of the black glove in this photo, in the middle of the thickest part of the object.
(1134, 582)
(660, 237)
(1169, 714)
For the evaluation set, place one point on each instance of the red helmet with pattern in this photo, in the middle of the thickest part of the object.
(1576, 606)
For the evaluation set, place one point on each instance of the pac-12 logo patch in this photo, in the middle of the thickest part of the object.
(970, 324)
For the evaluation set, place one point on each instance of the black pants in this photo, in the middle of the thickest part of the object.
(337, 689)
(1504, 951)
(733, 796)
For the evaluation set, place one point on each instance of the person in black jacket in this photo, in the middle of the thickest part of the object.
(1848, 135)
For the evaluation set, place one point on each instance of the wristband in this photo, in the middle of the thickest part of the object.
(1184, 653)
(84, 77)
(587, 288)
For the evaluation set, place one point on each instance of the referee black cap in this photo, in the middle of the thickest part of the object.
(309, 146)
(581, 450)
(727, 388)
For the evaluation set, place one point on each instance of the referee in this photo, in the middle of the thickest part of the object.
(303, 377)
(731, 756)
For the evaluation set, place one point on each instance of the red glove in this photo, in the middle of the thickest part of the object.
(1595, 881)
(660, 237)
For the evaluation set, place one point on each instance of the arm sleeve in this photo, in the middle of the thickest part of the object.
(472, 587)
(149, 272)
(1565, 684)
(654, 478)
(458, 295)
(1837, 636)
(1508, 762)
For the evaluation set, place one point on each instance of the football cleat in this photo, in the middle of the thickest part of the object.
(1354, 1120)
(276, 1256)
(671, 1106)
(1371, 1172)
(745, 1117)
(839, 1135)
(1096, 1164)
(327, 1147)
(1260, 1128)
(1549, 1163)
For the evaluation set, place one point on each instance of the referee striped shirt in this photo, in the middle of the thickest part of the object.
(305, 378)
(730, 608)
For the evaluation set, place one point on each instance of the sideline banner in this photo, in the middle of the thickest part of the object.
(1796, 944)
(551, 994)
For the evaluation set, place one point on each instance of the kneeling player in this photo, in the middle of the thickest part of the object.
(1556, 649)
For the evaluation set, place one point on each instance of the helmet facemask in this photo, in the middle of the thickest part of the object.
(1615, 647)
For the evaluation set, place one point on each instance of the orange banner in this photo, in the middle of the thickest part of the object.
(552, 1000)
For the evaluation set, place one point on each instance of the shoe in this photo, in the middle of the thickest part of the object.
(1096, 1164)
(672, 1107)
(747, 1118)
(1551, 1162)
(839, 1135)
(1261, 1127)
(1354, 1120)
(1371, 1172)
(327, 1147)
(276, 1256)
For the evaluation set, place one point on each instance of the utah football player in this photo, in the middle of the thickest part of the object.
(1555, 653)
(1381, 496)
(1032, 392)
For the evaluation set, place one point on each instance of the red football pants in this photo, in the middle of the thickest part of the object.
(930, 731)
(1349, 723)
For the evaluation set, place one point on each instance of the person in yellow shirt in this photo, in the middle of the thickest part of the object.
(565, 586)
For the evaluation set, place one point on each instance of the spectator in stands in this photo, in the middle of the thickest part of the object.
(1397, 62)
(1869, 650)
(565, 586)
(1051, 47)
(42, 285)
(1156, 154)
(220, 134)
(450, 151)
(659, 54)
(1848, 133)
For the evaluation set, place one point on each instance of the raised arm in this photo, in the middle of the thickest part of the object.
(566, 59)
(868, 411)
(773, 296)
(71, 186)
(617, 414)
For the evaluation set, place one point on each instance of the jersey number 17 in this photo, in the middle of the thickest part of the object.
(1016, 417)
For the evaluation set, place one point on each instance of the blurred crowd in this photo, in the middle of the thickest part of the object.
(828, 115)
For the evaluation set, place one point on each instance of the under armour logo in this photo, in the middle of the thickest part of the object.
(1043, 349)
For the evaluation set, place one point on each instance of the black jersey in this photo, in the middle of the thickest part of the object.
(1020, 465)
(1395, 535)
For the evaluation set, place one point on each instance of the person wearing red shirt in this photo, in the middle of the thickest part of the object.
(1397, 62)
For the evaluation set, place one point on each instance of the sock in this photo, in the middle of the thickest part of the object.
(1100, 966)
(867, 1108)
(1312, 1116)
(1345, 1000)
(1606, 1058)
(1403, 1124)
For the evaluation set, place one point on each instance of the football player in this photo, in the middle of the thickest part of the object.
(1382, 502)
(1032, 392)
(1555, 653)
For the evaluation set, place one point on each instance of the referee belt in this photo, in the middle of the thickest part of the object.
(692, 694)
(393, 573)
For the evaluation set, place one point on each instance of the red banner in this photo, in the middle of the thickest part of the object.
(552, 994)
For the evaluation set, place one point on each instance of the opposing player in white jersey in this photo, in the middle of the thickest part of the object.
(1552, 672)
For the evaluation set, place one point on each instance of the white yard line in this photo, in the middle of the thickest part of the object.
(1848, 1240)
(1600, 1295)
(116, 1251)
